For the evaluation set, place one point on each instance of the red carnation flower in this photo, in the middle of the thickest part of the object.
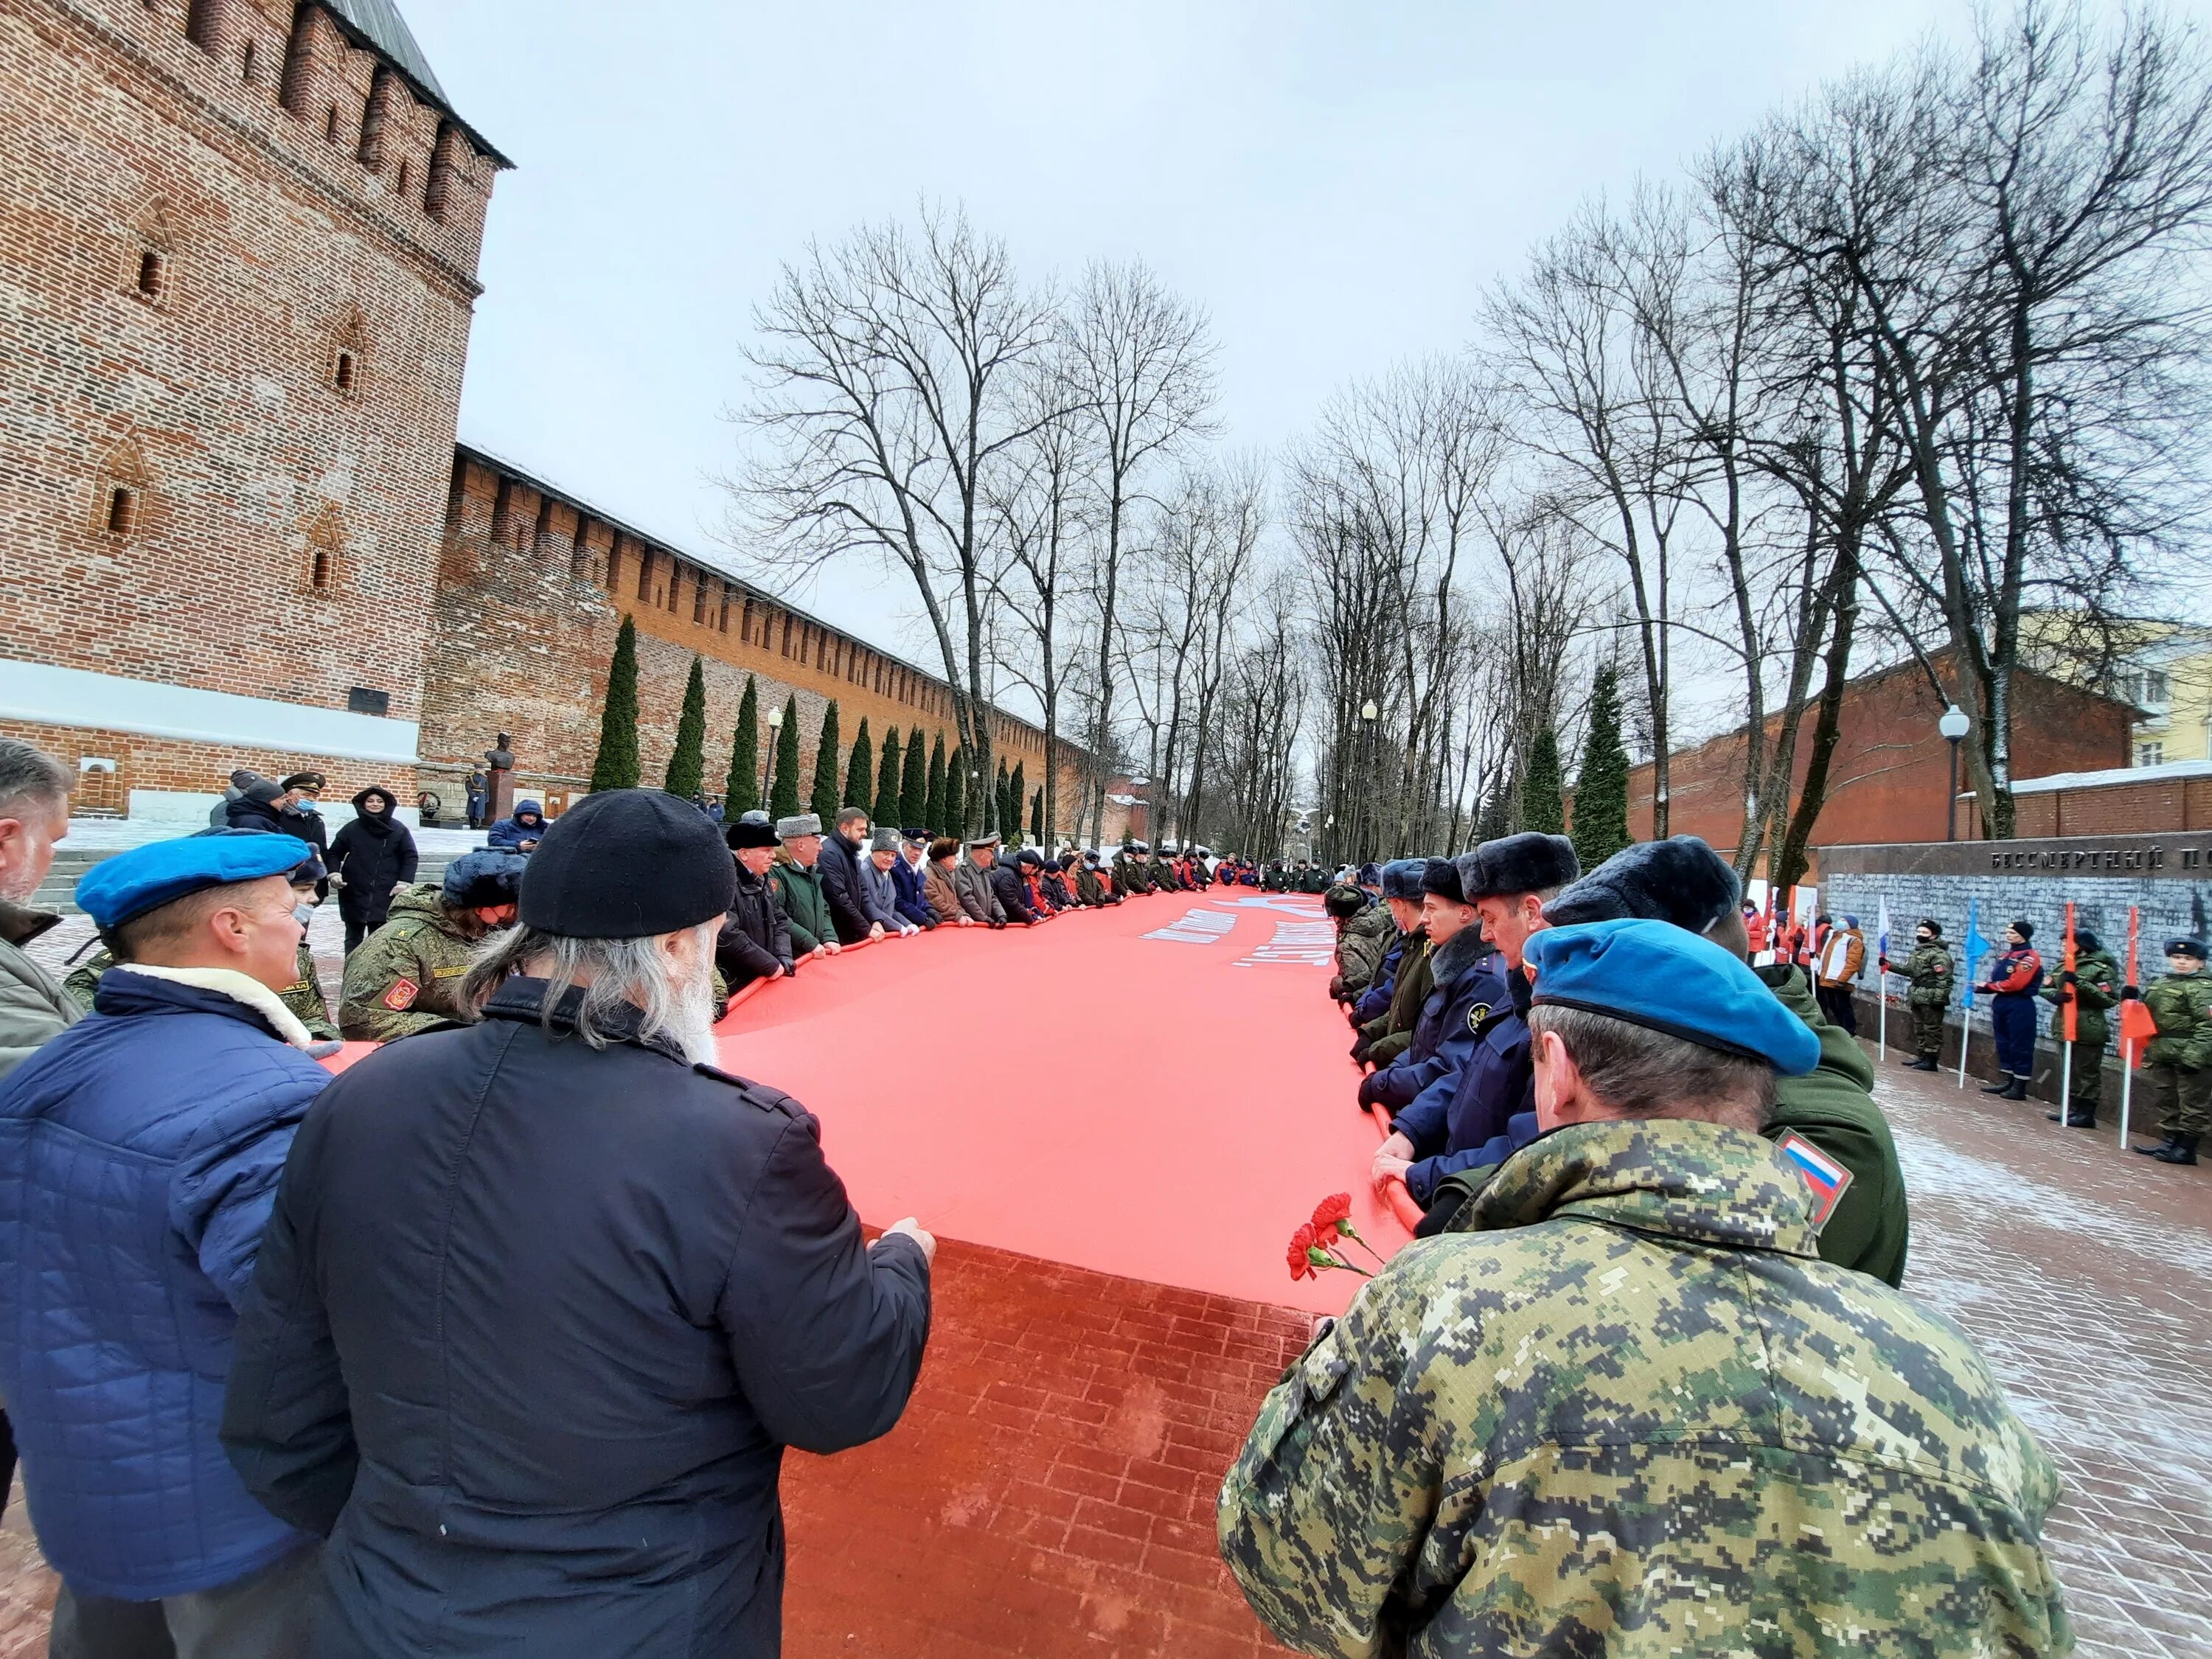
(1301, 1242)
(1329, 1211)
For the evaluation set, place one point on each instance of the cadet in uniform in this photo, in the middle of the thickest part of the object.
(407, 975)
(1926, 974)
(1623, 1408)
(1129, 873)
(2092, 985)
(2178, 1061)
(2012, 982)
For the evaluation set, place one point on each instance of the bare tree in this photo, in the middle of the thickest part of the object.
(1141, 361)
(890, 369)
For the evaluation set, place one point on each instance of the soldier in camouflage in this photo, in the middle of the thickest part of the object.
(1926, 974)
(406, 977)
(2092, 985)
(1623, 1408)
(2178, 1061)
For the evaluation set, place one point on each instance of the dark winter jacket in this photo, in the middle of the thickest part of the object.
(913, 902)
(610, 1288)
(1388, 1036)
(1469, 981)
(247, 813)
(1011, 892)
(1454, 1131)
(841, 888)
(139, 1153)
(372, 855)
(798, 891)
(511, 832)
(1375, 1001)
(756, 938)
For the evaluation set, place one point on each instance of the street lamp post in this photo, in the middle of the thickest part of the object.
(1953, 725)
(1368, 713)
(767, 761)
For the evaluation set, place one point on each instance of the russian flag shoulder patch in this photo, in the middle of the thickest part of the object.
(1827, 1178)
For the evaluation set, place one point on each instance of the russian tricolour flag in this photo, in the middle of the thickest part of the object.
(1826, 1177)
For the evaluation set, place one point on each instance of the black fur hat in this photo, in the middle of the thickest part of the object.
(1440, 877)
(749, 831)
(1934, 927)
(2086, 940)
(1401, 880)
(1679, 880)
(1531, 862)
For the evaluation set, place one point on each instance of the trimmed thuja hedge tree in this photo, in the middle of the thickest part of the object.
(687, 761)
(932, 808)
(859, 773)
(913, 784)
(1542, 786)
(783, 792)
(1602, 792)
(826, 753)
(888, 761)
(615, 767)
(741, 787)
(955, 793)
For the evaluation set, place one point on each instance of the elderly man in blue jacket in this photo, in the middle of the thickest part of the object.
(139, 1156)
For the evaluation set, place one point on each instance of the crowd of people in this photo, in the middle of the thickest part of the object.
(1656, 1305)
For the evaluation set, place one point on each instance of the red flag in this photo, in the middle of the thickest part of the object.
(2137, 1028)
(2072, 1007)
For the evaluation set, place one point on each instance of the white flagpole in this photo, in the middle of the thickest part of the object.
(2065, 1078)
(1881, 1013)
(2127, 1088)
(1966, 1031)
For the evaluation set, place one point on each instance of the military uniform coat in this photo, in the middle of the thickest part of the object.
(406, 977)
(1362, 941)
(2096, 988)
(806, 913)
(34, 1006)
(1467, 982)
(1388, 1037)
(1624, 1409)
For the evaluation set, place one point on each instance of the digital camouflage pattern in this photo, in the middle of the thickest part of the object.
(406, 977)
(1363, 939)
(1928, 992)
(303, 996)
(1626, 1411)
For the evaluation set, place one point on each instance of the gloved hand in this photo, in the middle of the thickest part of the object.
(2132, 994)
(2069, 977)
(1882, 962)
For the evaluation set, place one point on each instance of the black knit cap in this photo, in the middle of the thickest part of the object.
(628, 864)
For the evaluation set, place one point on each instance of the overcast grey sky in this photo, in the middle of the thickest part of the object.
(1334, 184)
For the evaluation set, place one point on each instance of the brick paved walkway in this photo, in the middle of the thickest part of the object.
(1051, 1490)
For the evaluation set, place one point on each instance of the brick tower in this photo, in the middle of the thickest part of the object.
(241, 240)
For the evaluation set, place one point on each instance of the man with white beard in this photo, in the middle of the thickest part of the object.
(544, 1297)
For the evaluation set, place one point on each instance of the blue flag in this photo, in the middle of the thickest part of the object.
(1973, 947)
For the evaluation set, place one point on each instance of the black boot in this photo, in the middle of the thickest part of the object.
(2001, 1086)
(1925, 1063)
(2182, 1149)
(2081, 1116)
(2015, 1089)
(2160, 1151)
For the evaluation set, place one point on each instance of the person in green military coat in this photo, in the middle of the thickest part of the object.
(2178, 1061)
(1383, 1041)
(1623, 1408)
(1130, 875)
(1927, 975)
(406, 977)
(303, 996)
(796, 877)
(2092, 984)
(1364, 932)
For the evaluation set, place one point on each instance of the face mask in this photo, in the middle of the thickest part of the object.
(303, 914)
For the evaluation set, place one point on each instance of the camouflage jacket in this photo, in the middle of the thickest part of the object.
(2182, 1005)
(1927, 972)
(303, 996)
(1626, 1411)
(1363, 939)
(406, 977)
(2096, 988)
(1390, 1035)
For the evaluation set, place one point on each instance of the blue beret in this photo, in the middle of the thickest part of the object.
(1655, 975)
(118, 889)
(1401, 880)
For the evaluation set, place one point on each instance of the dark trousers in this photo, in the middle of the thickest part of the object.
(1836, 1003)
(2088, 1079)
(268, 1616)
(2012, 1022)
(364, 913)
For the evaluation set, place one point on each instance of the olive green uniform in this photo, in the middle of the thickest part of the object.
(406, 975)
(798, 891)
(1624, 1409)
(303, 996)
(1389, 1036)
(1161, 877)
(1928, 977)
(1130, 876)
(2178, 1061)
(2096, 988)
(1363, 939)
(1833, 1107)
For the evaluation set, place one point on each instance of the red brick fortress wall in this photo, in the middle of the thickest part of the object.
(233, 349)
(530, 593)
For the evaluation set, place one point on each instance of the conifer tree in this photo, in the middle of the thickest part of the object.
(741, 789)
(1037, 818)
(1001, 818)
(934, 810)
(861, 774)
(1602, 792)
(913, 783)
(956, 794)
(887, 781)
(1496, 818)
(1018, 794)
(826, 753)
(616, 765)
(783, 789)
(687, 763)
(1542, 786)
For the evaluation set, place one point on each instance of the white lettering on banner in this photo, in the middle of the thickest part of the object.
(1196, 928)
(1302, 943)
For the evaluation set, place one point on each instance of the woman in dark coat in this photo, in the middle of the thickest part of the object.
(371, 857)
